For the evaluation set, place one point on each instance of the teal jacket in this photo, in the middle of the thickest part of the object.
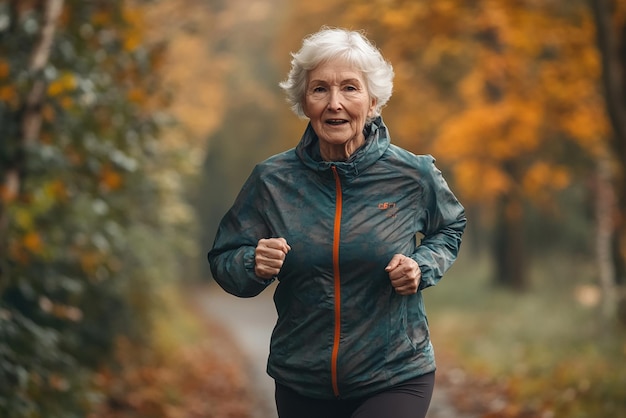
(342, 331)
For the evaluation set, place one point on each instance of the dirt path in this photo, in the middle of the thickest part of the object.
(251, 322)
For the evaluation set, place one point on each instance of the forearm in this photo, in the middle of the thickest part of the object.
(233, 270)
(437, 252)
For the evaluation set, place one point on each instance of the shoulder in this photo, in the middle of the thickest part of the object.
(421, 168)
(276, 163)
(400, 157)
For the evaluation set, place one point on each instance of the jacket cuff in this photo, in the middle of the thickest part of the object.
(248, 263)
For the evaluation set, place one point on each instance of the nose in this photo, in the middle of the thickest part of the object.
(334, 100)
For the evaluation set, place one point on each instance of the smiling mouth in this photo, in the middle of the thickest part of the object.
(336, 122)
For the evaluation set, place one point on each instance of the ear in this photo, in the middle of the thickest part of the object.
(372, 108)
(305, 109)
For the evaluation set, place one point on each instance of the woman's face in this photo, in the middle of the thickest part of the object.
(338, 104)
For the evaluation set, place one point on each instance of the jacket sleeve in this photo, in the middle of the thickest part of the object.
(232, 257)
(442, 225)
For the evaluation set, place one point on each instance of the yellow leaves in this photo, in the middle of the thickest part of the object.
(24, 220)
(61, 89)
(66, 83)
(28, 239)
(132, 41)
(133, 36)
(56, 190)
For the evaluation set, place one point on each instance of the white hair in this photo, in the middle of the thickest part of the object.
(351, 46)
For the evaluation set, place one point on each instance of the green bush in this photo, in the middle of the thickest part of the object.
(83, 244)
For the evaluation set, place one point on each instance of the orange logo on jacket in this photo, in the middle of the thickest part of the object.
(389, 205)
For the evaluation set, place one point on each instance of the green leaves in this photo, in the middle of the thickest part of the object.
(81, 235)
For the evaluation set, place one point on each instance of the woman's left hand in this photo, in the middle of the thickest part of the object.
(404, 273)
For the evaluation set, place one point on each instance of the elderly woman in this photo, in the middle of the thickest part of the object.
(336, 221)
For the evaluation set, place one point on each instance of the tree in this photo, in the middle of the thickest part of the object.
(504, 92)
(83, 244)
(610, 21)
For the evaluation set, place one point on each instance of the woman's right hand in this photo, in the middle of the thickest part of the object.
(269, 256)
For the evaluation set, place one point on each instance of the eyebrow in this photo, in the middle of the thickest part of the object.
(346, 81)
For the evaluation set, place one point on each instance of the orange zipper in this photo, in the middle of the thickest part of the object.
(337, 282)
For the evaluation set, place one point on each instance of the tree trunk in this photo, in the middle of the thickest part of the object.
(612, 46)
(605, 215)
(30, 123)
(509, 248)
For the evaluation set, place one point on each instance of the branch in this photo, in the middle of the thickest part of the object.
(31, 123)
(42, 49)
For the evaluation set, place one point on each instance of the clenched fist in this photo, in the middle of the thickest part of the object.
(269, 256)
(405, 274)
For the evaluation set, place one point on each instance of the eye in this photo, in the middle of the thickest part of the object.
(318, 89)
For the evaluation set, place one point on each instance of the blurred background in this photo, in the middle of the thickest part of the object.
(127, 128)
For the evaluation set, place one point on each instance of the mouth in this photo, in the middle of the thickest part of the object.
(336, 122)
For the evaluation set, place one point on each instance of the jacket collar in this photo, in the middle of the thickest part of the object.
(376, 143)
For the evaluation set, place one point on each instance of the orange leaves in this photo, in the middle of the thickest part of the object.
(28, 240)
(137, 95)
(133, 35)
(542, 178)
(110, 179)
(32, 242)
(5, 69)
(23, 248)
(495, 132)
(8, 94)
(7, 91)
(480, 180)
(534, 81)
(101, 18)
(199, 379)
(588, 127)
(9, 190)
(402, 19)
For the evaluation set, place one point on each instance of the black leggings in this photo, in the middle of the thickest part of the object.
(407, 400)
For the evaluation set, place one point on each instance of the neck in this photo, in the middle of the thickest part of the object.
(341, 152)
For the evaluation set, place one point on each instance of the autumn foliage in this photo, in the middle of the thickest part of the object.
(77, 198)
(95, 177)
(202, 378)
